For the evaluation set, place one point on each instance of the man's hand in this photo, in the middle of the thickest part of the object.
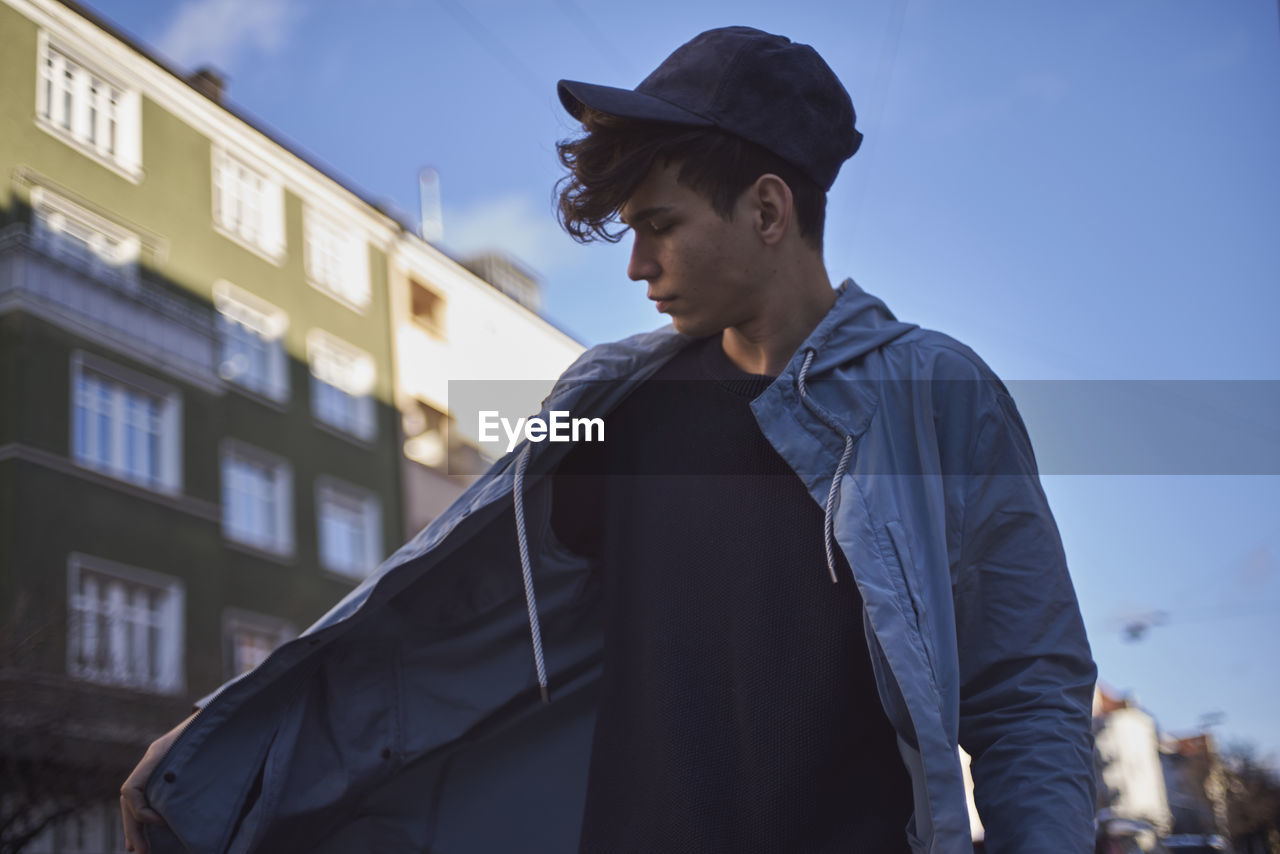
(133, 798)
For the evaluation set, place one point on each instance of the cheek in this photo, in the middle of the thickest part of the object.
(702, 263)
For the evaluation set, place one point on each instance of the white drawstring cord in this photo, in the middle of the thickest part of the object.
(828, 516)
(526, 569)
(828, 519)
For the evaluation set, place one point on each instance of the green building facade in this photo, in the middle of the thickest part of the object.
(198, 454)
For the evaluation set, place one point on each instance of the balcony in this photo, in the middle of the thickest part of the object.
(114, 305)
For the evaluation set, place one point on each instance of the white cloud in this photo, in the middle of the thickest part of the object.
(216, 32)
(514, 225)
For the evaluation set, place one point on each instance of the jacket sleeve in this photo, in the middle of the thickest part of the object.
(1026, 672)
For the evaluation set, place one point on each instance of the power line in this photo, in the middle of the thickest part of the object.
(1207, 615)
(491, 43)
(1137, 627)
(605, 45)
(884, 81)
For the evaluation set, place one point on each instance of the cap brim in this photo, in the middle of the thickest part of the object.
(624, 103)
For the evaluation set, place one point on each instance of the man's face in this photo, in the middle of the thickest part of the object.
(700, 268)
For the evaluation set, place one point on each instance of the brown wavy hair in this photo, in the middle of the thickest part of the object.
(612, 156)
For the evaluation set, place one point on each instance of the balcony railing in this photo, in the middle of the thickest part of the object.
(134, 313)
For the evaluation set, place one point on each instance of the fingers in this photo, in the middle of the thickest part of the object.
(134, 840)
(134, 812)
(135, 803)
(133, 795)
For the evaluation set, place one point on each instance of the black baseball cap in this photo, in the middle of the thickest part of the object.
(764, 88)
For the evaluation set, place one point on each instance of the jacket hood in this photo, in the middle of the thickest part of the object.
(857, 324)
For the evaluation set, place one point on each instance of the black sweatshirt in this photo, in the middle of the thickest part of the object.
(739, 712)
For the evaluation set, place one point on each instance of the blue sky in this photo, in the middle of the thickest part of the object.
(1078, 192)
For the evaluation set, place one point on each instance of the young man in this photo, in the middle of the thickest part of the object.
(712, 689)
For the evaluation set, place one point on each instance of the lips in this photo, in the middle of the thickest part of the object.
(662, 303)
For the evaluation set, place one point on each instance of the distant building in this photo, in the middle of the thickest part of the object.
(507, 276)
(1196, 783)
(453, 329)
(1131, 778)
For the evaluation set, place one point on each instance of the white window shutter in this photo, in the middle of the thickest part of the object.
(373, 534)
(273, 217)
(284, 508)
(366, 417)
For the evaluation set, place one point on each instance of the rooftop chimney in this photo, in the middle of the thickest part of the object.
(429, 201)
(208, 82)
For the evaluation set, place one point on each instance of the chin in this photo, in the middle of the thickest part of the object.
(693, 329)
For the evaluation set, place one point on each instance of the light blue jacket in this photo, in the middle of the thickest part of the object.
(409, 717)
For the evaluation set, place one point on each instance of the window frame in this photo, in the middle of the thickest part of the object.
(169, 651)
(235, 308)
(434, 323)
(331, 491)
(168, 479)
(51, 214)
(351, 385)
(239, 619)
(267, 240)
(354, 288)
(121, 153)
(283, 542)
(97, 822)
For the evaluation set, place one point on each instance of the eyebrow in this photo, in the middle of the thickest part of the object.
(644, 214)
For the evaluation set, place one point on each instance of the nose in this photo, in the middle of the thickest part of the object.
(642, 265)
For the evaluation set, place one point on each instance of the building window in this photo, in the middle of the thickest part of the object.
(427, 307)
(251, 342)
(86, 109)
(249, 638)
(350, 526)
(125, 626)
(125, 424)
(248, 206)
(95, 829)
(83, 239)
(257, 499)
(426, 431)
(336, 261)
(342, 378)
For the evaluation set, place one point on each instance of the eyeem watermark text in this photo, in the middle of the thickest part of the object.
(559, 427)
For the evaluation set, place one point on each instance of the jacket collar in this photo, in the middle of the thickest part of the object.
(856, 324)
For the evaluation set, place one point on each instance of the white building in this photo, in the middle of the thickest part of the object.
(453, 330)
(1128, 743)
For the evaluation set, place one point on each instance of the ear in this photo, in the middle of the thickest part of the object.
(774, 207)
